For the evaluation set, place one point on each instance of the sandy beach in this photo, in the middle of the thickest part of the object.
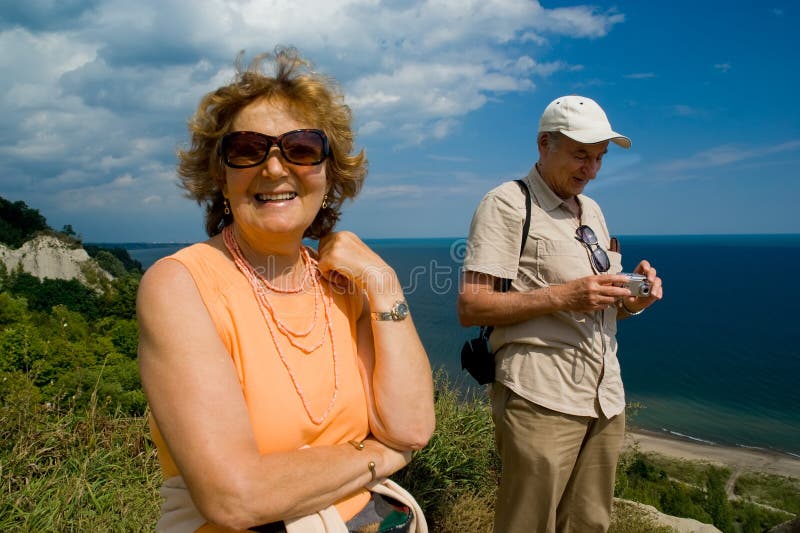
(740, 459)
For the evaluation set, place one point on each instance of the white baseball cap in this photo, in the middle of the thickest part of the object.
(581, 119)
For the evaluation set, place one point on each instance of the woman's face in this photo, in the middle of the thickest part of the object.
(275, 200)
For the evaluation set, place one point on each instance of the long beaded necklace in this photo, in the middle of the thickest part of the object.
(260, 286)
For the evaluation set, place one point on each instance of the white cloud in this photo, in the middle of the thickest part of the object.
(99, 91)
(371, 127)
(640, 75)
(391, 191)
(723, 67)
(683, 110)
(727, 154)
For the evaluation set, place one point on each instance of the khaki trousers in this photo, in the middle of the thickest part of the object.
(558, 469)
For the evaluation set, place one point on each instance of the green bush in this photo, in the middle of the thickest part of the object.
(108, 262)
(455, 477)
(18, 223)
(44, 294)
(119, 255)
(717, 504)
(119, 300)
(780, 492)
(12, 309)
(66, 357)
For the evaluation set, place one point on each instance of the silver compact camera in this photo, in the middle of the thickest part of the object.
(637, 284)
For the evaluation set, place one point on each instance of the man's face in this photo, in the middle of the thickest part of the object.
(569, 165)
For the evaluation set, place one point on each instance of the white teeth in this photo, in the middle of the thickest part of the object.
(275, 197)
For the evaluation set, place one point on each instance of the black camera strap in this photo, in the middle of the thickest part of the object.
(505, 283)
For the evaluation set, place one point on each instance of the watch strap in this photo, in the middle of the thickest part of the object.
(399, 311)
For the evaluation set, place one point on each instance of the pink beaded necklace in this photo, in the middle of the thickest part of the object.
(261, 286)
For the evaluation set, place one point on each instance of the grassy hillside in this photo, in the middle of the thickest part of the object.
(75, 454)
(85, 467)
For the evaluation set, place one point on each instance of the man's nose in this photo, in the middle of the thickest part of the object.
(591, 168)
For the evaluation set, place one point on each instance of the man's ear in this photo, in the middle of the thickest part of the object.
(542, 141)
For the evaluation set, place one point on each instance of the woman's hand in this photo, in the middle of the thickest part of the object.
(344, 259)
(395, 368)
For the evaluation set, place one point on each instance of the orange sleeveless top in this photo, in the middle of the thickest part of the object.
(279, 419)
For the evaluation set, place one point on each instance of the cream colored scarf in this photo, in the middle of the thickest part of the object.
(179, 515)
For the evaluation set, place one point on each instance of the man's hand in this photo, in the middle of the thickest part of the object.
(592, 293)
(635, 304)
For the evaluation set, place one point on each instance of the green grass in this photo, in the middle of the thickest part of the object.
(776, 491)
(78, 468)
(689, 472)
(694, 489)
(454, 478)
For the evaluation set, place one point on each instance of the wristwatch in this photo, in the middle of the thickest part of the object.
(398, 312)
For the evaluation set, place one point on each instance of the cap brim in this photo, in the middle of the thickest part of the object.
(595, 136)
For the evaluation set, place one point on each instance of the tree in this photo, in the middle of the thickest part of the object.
(18, 222)
(123, 333)
(12, 309)
(42, 295)
(21, 349)
(130, 264)
(110, 263)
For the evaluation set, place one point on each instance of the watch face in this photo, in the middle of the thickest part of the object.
(401, 310)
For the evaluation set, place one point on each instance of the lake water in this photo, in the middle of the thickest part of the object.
(718, 359)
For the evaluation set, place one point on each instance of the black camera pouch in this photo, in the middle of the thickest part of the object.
(477, 358)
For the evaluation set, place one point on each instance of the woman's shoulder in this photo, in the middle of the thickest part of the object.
(163, 284)
(197, 264)
(203, 257)
(210, 249)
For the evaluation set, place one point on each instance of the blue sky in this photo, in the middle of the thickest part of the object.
(95, 95)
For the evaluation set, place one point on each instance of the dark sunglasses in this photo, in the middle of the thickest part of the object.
(244, 149)
(586, 235)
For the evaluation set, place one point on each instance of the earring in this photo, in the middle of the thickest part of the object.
(325, 201)
(227, 209)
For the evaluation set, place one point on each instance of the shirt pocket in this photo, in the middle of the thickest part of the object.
(615, 260)
(560, 261)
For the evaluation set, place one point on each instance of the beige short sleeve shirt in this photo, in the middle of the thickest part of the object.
(565, 361)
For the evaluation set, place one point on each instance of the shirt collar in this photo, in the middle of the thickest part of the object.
(545, 197)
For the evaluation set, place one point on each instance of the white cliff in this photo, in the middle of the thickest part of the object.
(47, 256)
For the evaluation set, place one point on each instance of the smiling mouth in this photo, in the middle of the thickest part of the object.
(281, 197)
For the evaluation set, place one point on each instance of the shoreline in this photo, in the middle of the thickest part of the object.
(737, 458)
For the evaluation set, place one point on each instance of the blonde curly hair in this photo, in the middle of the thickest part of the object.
(312, 97)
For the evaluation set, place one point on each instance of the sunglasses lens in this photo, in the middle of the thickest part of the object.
(244, 150)
(600, 259)
(599, 256)
(586, 235)
(306, 147)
